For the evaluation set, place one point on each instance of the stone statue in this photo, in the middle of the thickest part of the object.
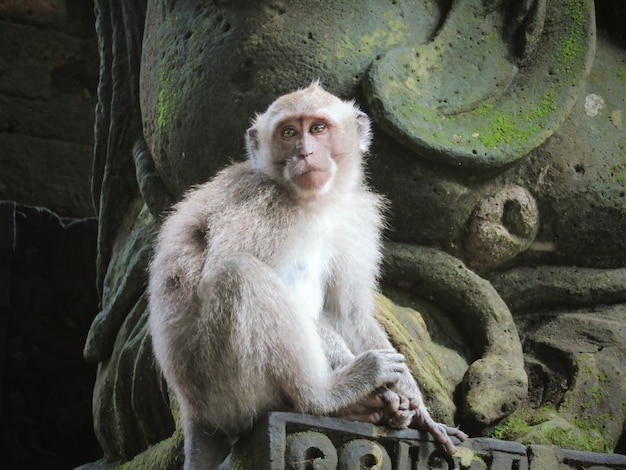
(499, 141)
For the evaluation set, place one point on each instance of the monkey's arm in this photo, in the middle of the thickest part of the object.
(383, 406)
(363, 332)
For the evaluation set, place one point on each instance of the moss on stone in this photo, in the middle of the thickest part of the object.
(164, 455)
(621, 75)
(409, 335)
(545, 426)
(246, 460)
(619, 171)
(165, 96)
(162, 108)
(386, 36)
(573, 46)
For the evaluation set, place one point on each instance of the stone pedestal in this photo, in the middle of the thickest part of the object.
(294, 441)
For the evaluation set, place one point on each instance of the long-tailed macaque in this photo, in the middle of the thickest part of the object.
(263, 281)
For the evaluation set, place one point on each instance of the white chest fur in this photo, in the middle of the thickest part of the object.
(306, 265)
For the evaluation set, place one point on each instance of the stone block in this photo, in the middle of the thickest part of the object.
(48, 83)
(291, 441)
(47, 173)
(71, 16)
(55, 119)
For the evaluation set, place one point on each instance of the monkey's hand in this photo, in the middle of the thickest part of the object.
(379, 367)
(440, 432)
(383, 407)
(398, 413)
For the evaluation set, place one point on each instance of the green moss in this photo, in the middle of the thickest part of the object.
(567, 438)
(169, 94)
(482, 465)
(164, 98)
(507, 129)
(246, 460)
(620, 172)
(162, 108)
(165, 454)
(573, 46)
(546, 106)
(517, 128)
(380, 38)
(484, 109)
(544, 426)
(516, 424)
(514, 128)
(596, 393)
(492, 40)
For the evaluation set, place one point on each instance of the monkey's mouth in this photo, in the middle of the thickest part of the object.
(312, 179)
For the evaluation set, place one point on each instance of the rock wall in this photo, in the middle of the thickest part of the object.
(48, 80)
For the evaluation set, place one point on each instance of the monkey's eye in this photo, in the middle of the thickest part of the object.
(288, 133)
(318, 128)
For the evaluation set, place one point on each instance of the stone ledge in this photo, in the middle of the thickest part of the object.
(296, 441)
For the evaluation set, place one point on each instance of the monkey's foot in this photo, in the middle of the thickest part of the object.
(440, 431)
(398, 413)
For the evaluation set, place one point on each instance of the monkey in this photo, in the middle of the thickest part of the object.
(261, 288)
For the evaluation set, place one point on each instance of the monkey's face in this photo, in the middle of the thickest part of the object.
(310, 141)
(304, 151)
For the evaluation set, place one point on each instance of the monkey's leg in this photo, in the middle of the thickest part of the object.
(248, 351)
(273, 357)
(336, 350)
(205, 446)
(383, 406)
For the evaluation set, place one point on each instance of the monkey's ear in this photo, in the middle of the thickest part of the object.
(252, 142)
(364, 129)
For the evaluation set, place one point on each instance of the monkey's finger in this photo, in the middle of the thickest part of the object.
(392, 399)
(440, 432)
(401, 419)
(456, 432)
(397, 401)
(404, 403)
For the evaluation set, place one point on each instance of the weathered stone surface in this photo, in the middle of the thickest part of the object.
(203, 58)
(33, 169)
(48, 79)
(129, 384)
(577, 394)
(502, 226)
(32, 118)
(492, 85)
(69, 16)
(575, 177)
(495, 383)
(293, 441)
